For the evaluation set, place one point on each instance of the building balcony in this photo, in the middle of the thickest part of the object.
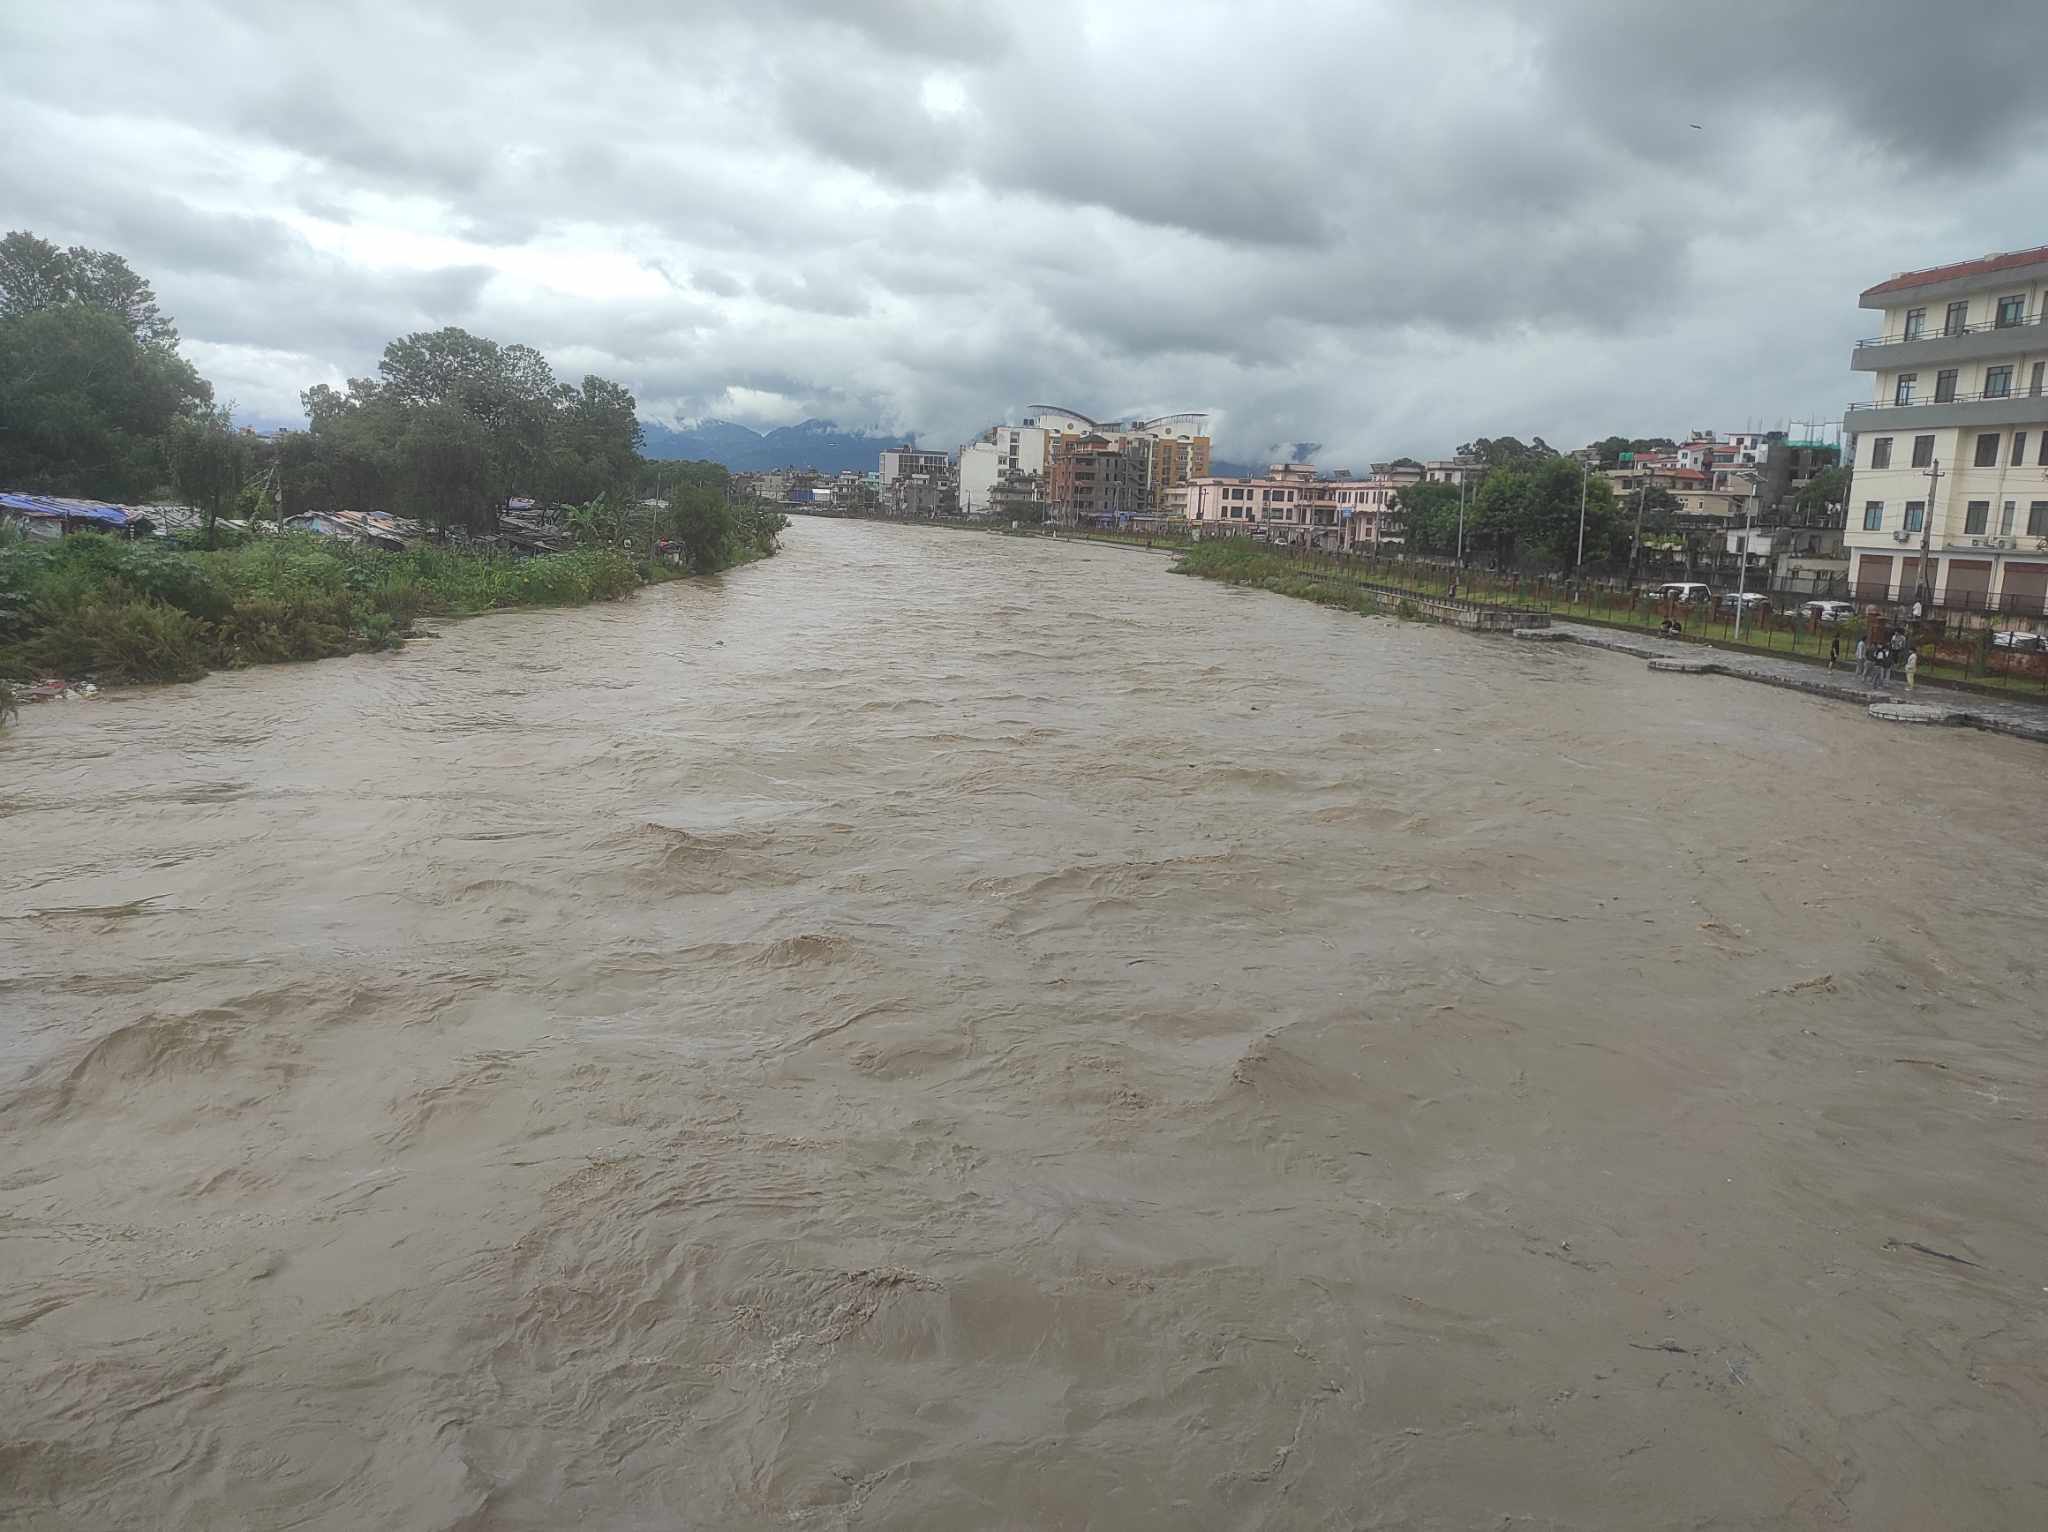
(1969, 343)
(1927, 413)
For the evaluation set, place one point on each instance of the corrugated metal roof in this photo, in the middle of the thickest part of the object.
(56, 507)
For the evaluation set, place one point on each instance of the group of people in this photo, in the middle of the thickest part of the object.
(1874, 662)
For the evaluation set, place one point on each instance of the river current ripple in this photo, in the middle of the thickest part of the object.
(939, 1031)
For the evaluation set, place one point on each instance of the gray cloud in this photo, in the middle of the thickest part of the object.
(1384, 227)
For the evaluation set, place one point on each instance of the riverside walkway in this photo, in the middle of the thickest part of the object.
(1929, 703)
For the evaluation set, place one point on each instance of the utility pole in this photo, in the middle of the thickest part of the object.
(1461, 518)
(1585, 474)
(1923, 588)
(1742, 554)
(1635, 542)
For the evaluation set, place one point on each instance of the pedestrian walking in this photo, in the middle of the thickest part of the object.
(1912, 668)
(1863, 659)
(1882, 659)
(1835, 653)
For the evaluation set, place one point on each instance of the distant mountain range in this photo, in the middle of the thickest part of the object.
(818, 444)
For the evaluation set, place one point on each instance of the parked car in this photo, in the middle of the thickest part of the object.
(1755, 603)
(2019, 638)
(1829, 611)
(1683, 590)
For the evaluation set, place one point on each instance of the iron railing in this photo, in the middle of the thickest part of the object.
(1860, 406)
(1980, 327)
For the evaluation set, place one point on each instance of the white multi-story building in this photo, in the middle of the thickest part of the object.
(910, 463)
(1005, 452)
(1958, 368)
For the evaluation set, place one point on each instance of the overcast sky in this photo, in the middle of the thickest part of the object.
(1386, 228)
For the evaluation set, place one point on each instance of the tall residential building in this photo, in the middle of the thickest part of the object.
(1098, 481)
(1958, 368)
(1001, 453)
(909, 462)
(1175, 447)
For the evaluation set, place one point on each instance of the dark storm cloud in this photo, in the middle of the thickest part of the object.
(1385, 227)
(1924, 83)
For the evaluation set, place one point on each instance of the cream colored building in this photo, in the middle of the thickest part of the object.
(1958, 369)
(1001, 453)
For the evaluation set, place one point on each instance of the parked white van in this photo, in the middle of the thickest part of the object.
(1683, 590)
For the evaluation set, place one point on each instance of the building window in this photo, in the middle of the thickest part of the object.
(2019, 448)
(1958, 318)
(2012, 311)
(1997, 382)
(2005, 515)
(2037, 518)
(1880, 452)
(2034, 384)
(1902, 391)
(1975, 517)
(1923, 451)
(1916, 514)
(1945, 385)
(1916, 323)
(1873, 515)
(1987, 450)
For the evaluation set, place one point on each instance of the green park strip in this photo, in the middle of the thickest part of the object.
(1340, 580)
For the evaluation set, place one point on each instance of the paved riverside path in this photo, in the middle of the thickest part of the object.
(1932, 703)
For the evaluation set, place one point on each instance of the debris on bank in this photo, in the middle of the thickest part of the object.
(54, 689)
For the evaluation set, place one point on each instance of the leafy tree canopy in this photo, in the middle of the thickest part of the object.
(1506, 451)
(455, 422)
(36, 275)
(84, 403)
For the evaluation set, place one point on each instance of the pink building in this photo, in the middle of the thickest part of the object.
(1291, 505)
(1221, 507)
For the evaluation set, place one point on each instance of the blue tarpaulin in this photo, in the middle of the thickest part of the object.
(66, 510)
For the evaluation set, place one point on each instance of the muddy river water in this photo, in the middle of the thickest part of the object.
(936, 1031)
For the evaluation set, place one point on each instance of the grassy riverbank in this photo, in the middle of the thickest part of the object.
(1325, 578)
(138, 611)
(1237, 562)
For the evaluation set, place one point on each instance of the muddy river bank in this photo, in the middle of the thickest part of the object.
(935, 1032)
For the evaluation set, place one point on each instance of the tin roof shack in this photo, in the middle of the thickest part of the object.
(51, 516)
(526, 526)
(376, 529)
(190, 521)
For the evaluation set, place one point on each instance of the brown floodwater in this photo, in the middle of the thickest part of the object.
(936, 1031)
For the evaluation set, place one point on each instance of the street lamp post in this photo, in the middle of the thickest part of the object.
(1585, 474)
(1742, 554)
(1461, 519)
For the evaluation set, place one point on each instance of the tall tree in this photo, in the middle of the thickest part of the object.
(83, 403)
(36, 275)
(1429, 517)
(1530, 515)
(447, 475)
(703, 523)
(1506, 451)
(208, 461)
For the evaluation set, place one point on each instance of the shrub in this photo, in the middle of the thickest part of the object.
(118, 638)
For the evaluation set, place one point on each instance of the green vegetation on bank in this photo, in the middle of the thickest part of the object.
(97, 403)
(1338, 580)
(1238, 561)
(121, 610)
